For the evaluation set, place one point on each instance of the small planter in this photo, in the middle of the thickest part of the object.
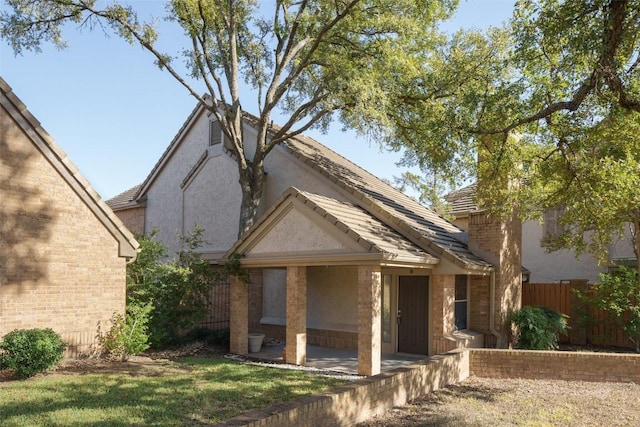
(255, 342)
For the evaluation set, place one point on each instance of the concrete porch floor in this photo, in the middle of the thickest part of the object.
(336, 359)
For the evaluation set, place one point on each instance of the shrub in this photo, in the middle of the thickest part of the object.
(618, 295)
(30, 351)
(538, 328)
(178, 289)
(128, 335)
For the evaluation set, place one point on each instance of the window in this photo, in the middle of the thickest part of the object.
(216, 136)
(461, 300)
(552, 226)
(386, 308)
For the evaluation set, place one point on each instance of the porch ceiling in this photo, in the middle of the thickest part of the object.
(308, 229)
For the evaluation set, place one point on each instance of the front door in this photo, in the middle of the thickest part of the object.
(413, 314)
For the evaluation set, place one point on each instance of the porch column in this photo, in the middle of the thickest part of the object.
(369, 319)
(296, 315)
(239, 316)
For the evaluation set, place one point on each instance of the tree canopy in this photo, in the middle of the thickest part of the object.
(550, 101)
(311, 60)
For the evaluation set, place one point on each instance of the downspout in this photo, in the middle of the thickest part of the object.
(492, 306)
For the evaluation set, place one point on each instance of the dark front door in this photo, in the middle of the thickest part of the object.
(413, 314)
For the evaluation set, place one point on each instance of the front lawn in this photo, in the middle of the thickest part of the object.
(192, 391)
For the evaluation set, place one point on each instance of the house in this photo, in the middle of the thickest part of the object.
(63, 252)
(338, 257)
(542, 266)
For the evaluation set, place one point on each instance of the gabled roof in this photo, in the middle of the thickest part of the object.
(389, 205)
(325, 231)
(125, 200)
(407, 216)
(58, 159)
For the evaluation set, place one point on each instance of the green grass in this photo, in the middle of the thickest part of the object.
(193, 391)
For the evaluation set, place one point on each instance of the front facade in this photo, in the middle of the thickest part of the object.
(63, 253)
(338, 257)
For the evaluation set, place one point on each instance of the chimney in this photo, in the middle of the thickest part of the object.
(497, 238)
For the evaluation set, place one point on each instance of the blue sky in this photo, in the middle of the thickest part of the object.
(113, 112)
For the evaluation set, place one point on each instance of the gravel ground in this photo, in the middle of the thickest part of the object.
(518, 402)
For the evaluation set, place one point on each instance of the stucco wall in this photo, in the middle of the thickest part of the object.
(558, 265)
(286, 171)
(59, 266)
(332, 298)
(211, 196)
(210, 200)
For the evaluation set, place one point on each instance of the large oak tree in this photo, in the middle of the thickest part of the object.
(310, 60)
(550, 101)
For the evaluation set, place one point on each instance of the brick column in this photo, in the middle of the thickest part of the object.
(443, 302)
(296, 315)
(369, 319)
(239, 316)
(443, 310)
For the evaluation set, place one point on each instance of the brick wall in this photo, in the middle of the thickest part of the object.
(555, 365)
(479, 303)
(499, 241)
(133, 219)
(59, 266)
(361, 400)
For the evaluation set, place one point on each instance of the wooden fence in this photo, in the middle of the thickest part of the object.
(561, 297)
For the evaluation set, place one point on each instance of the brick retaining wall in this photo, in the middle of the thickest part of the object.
(363, 399)
(555, 365)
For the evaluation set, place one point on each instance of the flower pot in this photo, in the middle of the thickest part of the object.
(255, 342)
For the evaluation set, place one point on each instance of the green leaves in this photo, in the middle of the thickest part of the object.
(30, 351)
(172, 295)
(538, 328)
(618, 294)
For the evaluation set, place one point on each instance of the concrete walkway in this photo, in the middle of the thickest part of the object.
(338, 360)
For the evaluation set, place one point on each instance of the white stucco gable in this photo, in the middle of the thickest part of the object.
(298, 230)
(308, 229)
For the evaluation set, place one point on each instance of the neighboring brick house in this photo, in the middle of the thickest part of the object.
(339, 257)
(542, 266)
(63, 252)
(130, 213)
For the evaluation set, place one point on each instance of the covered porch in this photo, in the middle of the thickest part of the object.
(341, 270)
(336, 359)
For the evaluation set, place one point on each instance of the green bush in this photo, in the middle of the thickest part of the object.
(538, 328)
(618, 295)
(128, 335)
(178, 289)
(30, 351)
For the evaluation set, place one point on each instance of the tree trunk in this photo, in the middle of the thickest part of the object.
(252, 180)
